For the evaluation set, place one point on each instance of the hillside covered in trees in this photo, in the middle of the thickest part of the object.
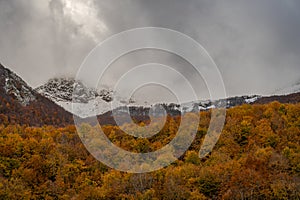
(257, 157)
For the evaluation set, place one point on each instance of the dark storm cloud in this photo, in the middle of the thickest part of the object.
(254, 43)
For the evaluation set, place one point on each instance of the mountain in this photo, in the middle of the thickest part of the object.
(142, 113)
(87, 101)
(61, 90)
(20, 104)
(51, 103)
(90, 101)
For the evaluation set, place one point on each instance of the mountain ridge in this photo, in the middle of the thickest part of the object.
(51, 105)
(105, 112)
(91, 101)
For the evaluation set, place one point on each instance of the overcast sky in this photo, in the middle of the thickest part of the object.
(255, 44)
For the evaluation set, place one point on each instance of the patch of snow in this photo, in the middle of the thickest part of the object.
(211, 107)
(202, 108)
(23, 93)
(251, 100)
(80, 100)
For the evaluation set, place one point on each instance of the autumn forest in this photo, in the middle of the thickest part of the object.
(256, 157)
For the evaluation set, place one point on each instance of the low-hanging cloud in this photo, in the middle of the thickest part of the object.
(254, 43)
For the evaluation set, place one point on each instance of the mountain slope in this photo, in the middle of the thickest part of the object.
(20, 104)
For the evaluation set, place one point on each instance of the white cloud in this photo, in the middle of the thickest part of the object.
(85, 15)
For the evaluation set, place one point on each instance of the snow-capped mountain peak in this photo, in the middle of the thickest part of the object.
(79, 99)
(61, 90)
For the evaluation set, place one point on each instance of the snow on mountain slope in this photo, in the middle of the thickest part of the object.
(85, 101)
(90, 102)
(61, 90)
(227, 103)
(16, 87)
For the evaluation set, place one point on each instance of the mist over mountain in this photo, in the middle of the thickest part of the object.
(53, 103)
(291, 88)
(255, 44)
(100, 99)
(88, 101)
